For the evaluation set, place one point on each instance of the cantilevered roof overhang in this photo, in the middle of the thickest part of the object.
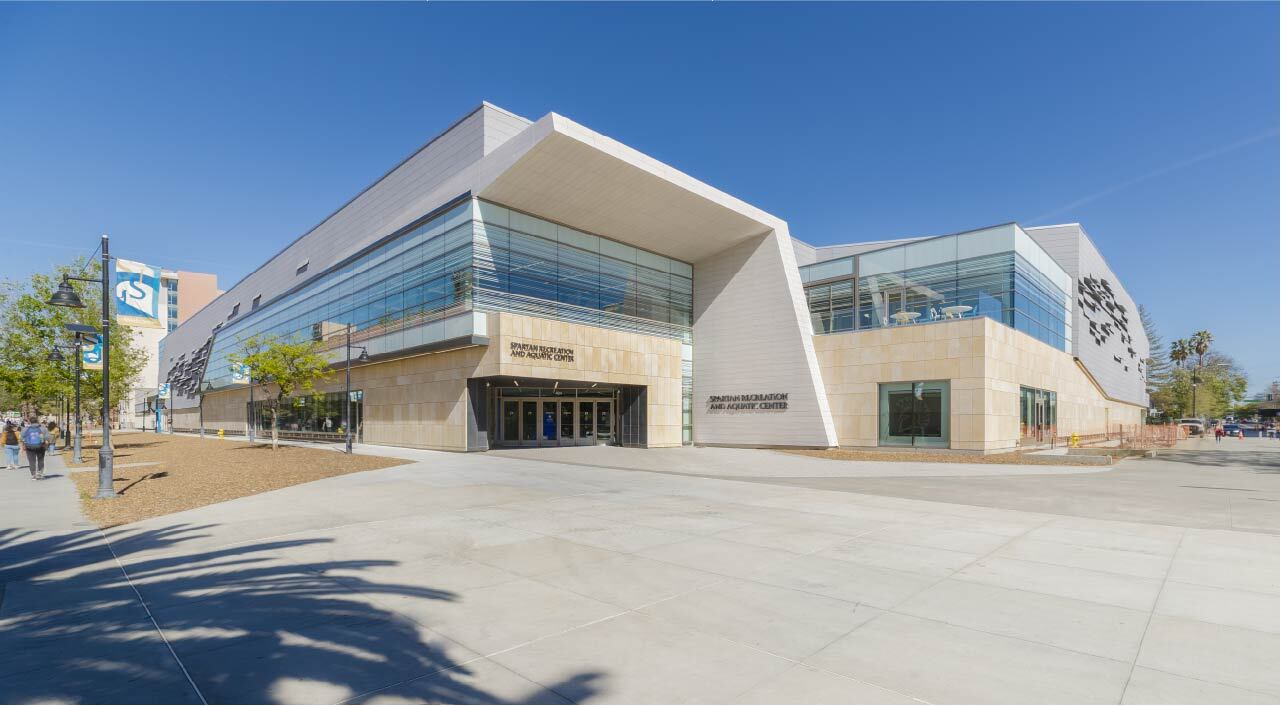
(565, 172)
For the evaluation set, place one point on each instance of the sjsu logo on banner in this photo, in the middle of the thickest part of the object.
(138, 295)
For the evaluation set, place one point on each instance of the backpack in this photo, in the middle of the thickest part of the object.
(33, 436)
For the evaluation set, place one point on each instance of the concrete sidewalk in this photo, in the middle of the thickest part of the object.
(71, 627)
(489, 579)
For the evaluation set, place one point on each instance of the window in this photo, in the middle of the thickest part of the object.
(915, 413)
(253, 306)
(530, 265)
(302, 267)
(235, 310)
(980, 273)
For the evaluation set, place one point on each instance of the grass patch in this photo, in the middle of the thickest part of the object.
(183, 472)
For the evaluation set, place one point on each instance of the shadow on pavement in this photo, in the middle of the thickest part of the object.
(249, 625)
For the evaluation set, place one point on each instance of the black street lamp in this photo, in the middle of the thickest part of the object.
(56, 356)
(364, 358)
(66, 296)
(203, 389)
(253, 421)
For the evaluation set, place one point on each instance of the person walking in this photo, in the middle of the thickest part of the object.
(12, 445)
(35, 438)
(55, 435)
(1218, 435)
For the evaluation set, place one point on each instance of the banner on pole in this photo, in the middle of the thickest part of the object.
(138, 300)
(163, 392)
(91, 354)
(240, 374)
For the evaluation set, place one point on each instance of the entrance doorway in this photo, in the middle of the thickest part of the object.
(551, 421)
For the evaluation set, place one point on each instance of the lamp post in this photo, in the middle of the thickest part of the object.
(364, 357)
(203, 389)
(252, 421)
(67, 296)
(56, 356)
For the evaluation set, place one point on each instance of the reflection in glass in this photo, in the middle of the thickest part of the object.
(585, 420)
(914, 414)
(528, 421)
(511, 422)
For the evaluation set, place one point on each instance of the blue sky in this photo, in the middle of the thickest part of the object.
(205, 137)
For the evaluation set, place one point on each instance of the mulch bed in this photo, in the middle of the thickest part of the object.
(1017, 457)
(189, 472)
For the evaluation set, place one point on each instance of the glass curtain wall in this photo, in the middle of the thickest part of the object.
(482, 256)
(312, 416)
(529, 265)
(391, 292)
(997, 272)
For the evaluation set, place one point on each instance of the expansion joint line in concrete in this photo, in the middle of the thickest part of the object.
(1151, 612)
(177, 660)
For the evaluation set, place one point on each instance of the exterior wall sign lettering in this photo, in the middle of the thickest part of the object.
(760, 402)
(533, 351)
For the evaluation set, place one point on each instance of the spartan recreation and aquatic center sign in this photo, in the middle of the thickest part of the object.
(759, 402)
(533, 351)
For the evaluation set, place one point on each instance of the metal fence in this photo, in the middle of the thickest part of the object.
(1131, 436)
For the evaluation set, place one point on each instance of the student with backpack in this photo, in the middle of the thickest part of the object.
(12, 445)
(35, 438)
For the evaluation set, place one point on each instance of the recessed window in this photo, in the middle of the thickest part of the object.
(256, 302)
(915, 413)
(234, 311)
(302, 267)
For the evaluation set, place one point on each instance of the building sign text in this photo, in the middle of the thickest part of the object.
(769, 401)
(534, 351)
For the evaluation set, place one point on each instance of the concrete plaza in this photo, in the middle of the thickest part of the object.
(684, 575)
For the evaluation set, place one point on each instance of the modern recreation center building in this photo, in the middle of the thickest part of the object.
(518, 283)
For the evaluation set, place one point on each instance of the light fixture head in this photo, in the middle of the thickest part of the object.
(55, 356)
(66, 295)
(363, 357)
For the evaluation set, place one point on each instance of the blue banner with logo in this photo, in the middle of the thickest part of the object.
(138, 300)
(91, 354)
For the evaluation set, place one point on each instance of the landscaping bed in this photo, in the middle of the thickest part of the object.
(184, 472)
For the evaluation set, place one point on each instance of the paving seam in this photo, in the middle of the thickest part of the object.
(1147, 626)
(152, 618)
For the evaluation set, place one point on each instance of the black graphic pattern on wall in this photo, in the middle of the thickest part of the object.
(1105, 317)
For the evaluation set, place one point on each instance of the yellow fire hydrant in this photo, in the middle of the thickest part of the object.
(1075, 441)
(220, 432)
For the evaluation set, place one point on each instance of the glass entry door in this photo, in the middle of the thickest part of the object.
(915, 414)
(555, 422)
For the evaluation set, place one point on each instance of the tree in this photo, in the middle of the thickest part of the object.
(1200, 343)
(30, 327)
(292, 366)
(1158, 361)
(1220, 386)
(1180, 351)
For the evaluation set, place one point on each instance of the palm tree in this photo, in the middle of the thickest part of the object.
(1200, 343)
(1180, 351)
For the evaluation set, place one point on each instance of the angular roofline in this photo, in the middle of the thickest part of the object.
(1097, 249)
(483, 104)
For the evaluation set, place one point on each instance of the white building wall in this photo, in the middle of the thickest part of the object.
(425, 180)
(1115, 359)
(752, 335)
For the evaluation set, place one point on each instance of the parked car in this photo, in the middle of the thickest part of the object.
(1231, 429)
(1195, 427)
